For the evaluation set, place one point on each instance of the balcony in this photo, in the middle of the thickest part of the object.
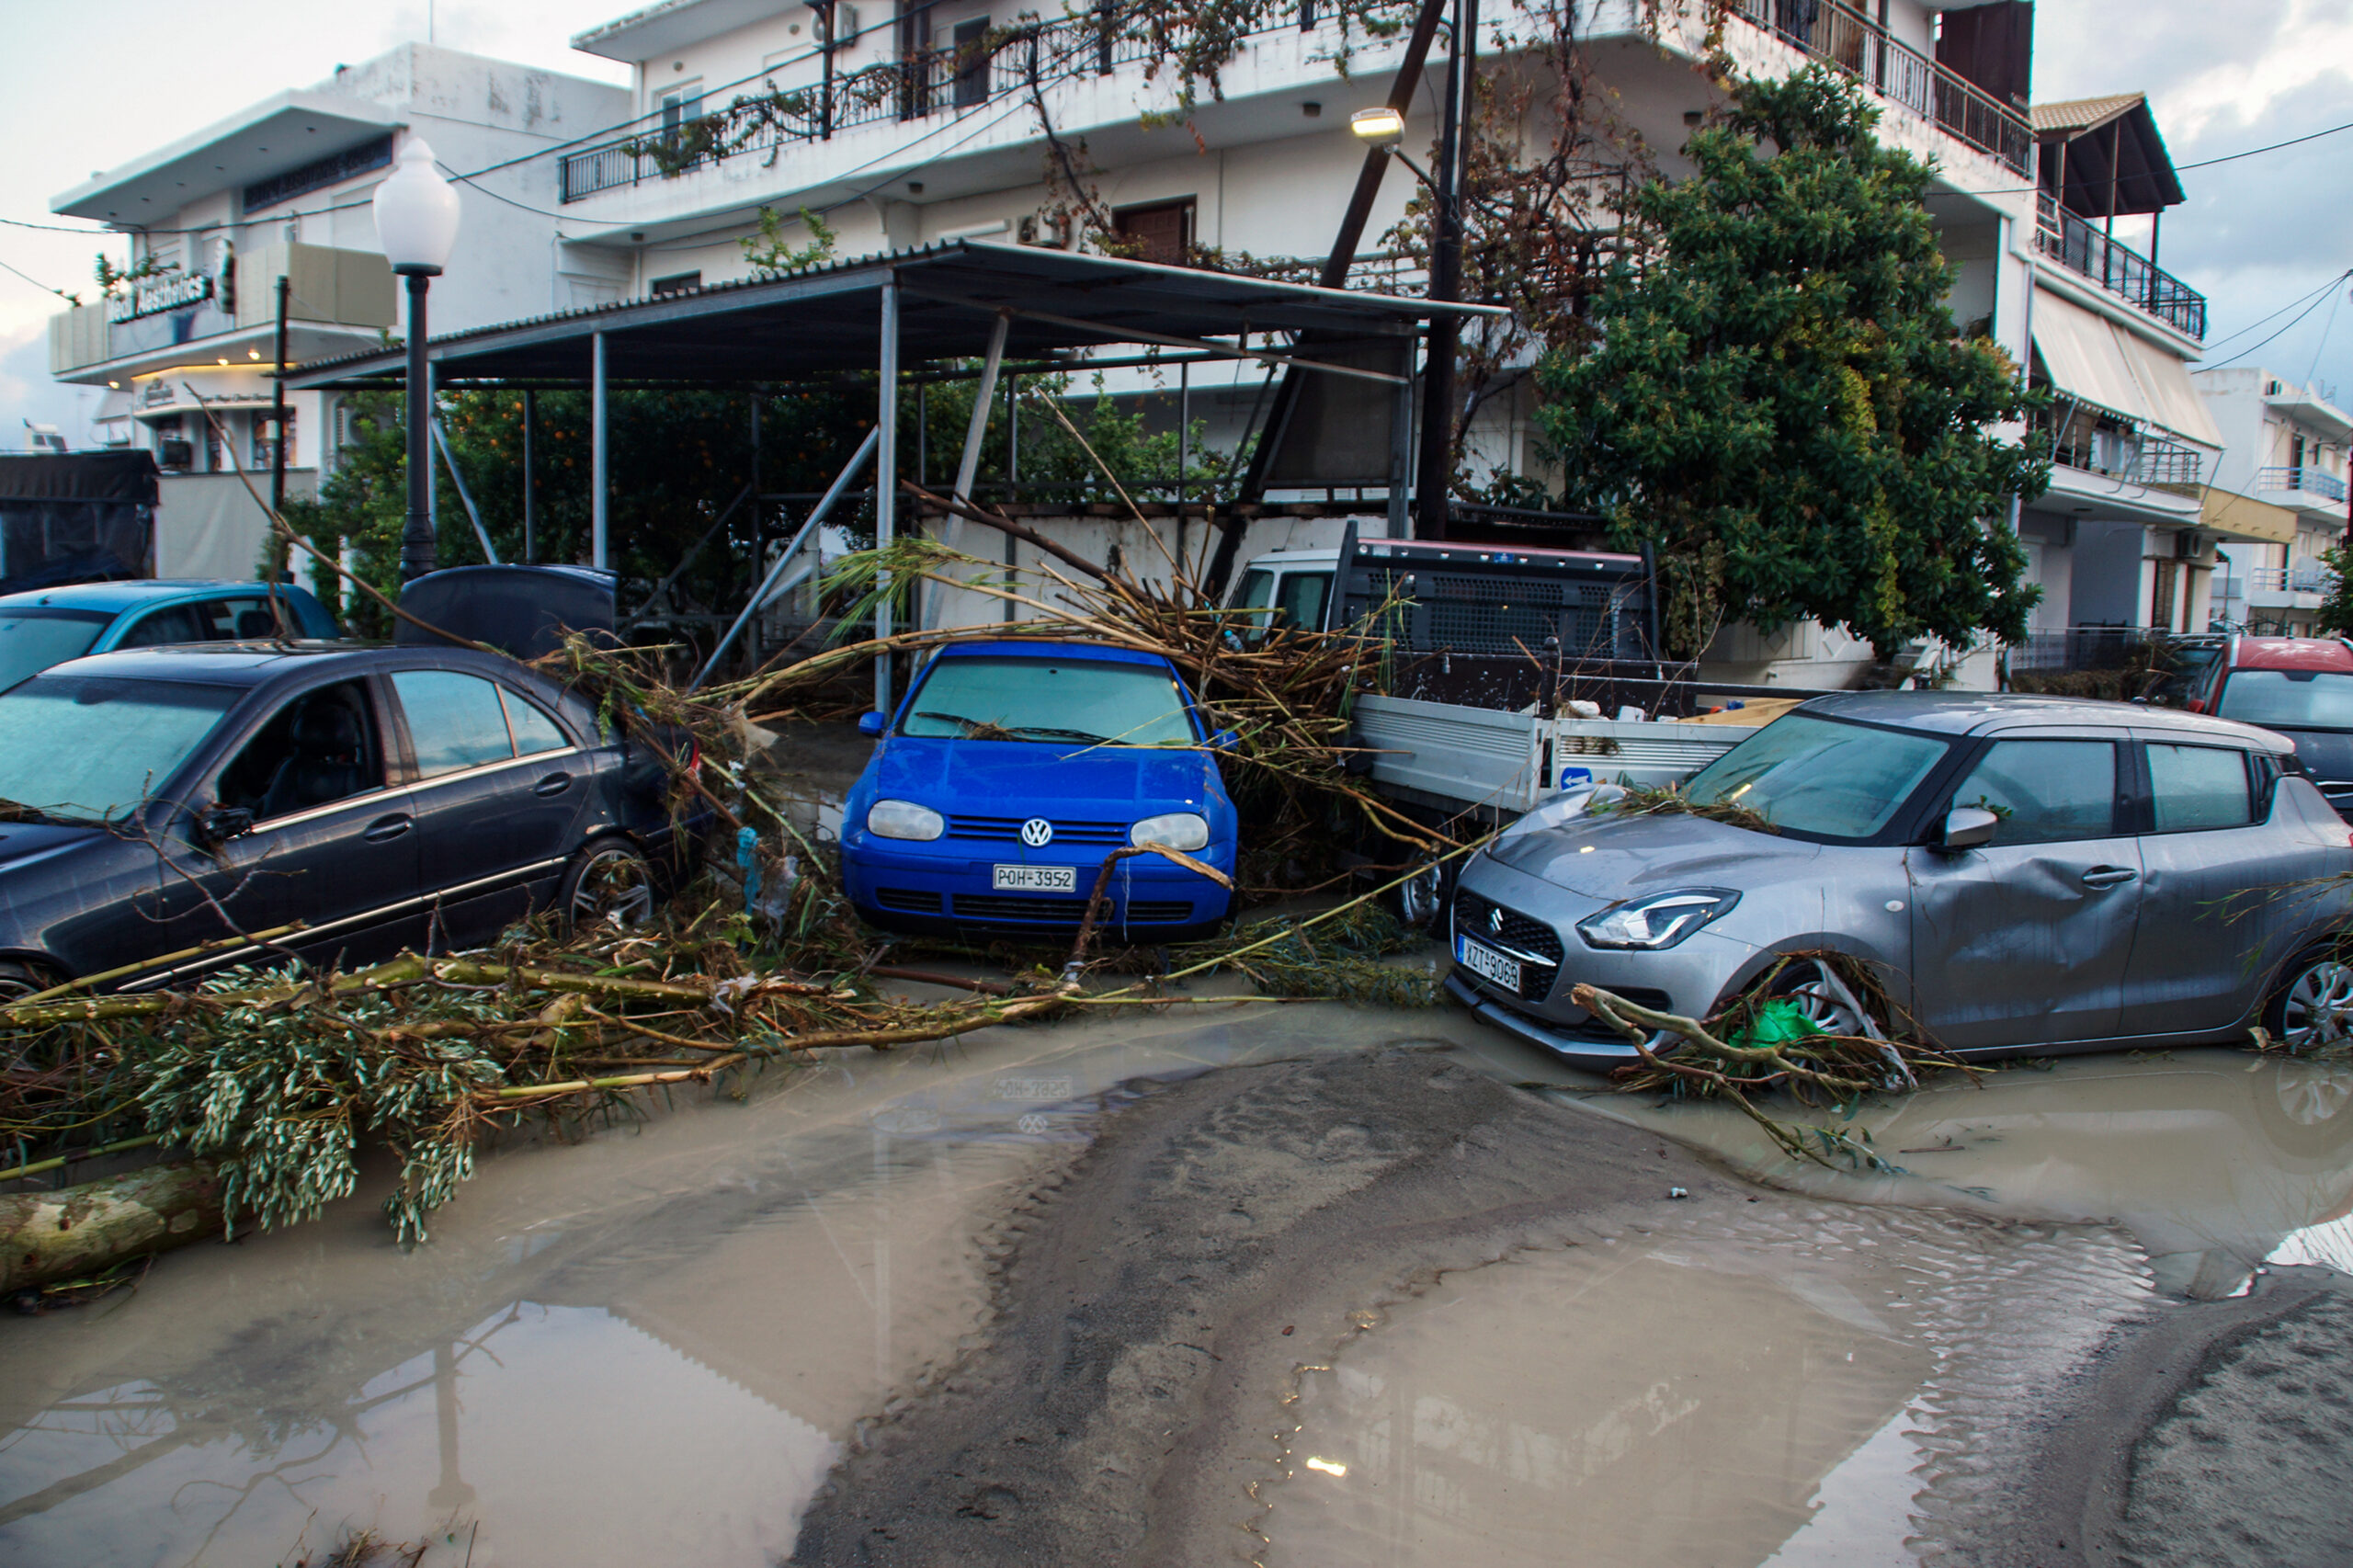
(2299, 584)
(2303, 478)
(1846, 38)
(2104, 444)
(340, 300)
(2080, 246)
(930, 81)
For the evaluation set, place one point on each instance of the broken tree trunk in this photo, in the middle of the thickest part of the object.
(77, 1232)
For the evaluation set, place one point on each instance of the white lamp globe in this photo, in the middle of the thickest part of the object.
(417, 213)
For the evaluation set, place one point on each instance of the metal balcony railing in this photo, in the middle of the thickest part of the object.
(2081, 247)
(2310, 480)
(2302, 575)
(1851, 41)
(2080, 648)
(925, 82)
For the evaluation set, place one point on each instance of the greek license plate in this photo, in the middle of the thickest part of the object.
(1034, 878)
(1488, 963)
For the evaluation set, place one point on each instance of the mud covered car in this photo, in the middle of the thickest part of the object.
(2019, 873)
(385, 797)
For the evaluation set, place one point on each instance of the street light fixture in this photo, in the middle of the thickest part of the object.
(416, 222)
(1382, 124)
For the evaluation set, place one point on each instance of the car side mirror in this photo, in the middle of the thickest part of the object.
(222, 823)
(1968, 827)
(870, 723)
(1224, 740)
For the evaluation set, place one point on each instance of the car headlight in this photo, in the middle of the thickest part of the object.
(1178, 829)
(1659, 921)
(904, 819)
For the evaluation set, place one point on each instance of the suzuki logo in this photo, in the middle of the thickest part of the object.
(1495, 920)
(1037, 833)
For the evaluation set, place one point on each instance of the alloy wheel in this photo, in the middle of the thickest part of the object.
(2317, 1012)
(1419, 897)
(1827, 1004)
(613, 888)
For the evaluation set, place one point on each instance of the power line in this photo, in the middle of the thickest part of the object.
(36, 282)
(2259, 326)
(2307, 310)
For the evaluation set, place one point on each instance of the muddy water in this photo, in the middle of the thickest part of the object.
(1820, 1385)
(647, 1347)
(651, 1346)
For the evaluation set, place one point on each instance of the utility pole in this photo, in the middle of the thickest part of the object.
(1433, 483)
(277, 431)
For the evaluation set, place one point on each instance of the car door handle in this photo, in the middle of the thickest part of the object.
(2108, 877)
(553, 784)
(386, 828)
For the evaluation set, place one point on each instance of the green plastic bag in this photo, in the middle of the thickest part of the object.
(1778, 1022)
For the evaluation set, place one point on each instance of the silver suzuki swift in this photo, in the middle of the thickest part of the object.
(2023, 874)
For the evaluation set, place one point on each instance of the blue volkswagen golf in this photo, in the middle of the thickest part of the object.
(1009, 774)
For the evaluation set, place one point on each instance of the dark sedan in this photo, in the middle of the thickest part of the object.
(386, 798)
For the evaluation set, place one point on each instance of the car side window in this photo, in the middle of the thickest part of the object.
(2045, 792)
(534, 731)
(2196, 788)
(320, 748)
(455, 721)
(1302, 601)
(244, 620)
(173, 623)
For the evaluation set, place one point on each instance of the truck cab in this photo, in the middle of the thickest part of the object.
(1285, 589)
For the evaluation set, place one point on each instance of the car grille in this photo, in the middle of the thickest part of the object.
(1007, 830)
(1526, 936)
(908, 900)
(1068, 911)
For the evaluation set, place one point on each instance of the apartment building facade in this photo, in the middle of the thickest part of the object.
(2284, 457)
(282, 189)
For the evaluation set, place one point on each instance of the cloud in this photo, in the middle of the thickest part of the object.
(26, 392)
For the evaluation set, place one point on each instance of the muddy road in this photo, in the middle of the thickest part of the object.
(1024, 1300)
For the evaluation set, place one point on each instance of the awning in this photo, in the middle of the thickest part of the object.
(2245, 518)
(2091, 358)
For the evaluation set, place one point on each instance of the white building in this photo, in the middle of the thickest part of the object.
(282, 189)
(2283, 451)
(2126, 540)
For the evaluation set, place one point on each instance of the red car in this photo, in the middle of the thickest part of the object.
(2301, 687)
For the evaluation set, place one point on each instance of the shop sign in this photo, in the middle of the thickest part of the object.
(153, 296)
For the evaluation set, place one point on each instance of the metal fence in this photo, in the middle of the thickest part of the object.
(2081, 247)
(2081, 648)
(1857, 45)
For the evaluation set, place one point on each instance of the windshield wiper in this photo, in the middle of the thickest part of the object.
(975, 728)
(1089, 737)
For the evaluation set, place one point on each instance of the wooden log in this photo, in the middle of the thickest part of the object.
(76, 1232)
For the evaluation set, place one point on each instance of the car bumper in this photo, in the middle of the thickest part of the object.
(951, 887)
(1689, 978)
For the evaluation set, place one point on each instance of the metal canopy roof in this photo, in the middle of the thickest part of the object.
(827, 321)
(2106, 149)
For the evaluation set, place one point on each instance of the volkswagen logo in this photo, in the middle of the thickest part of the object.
(1037, 833)
(1495, 920)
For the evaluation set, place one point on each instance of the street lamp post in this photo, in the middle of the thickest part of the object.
(416, 222)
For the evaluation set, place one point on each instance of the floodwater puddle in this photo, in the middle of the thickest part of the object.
(648, 1346)
(1825, 1378)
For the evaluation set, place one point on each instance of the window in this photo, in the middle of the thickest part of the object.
(2045, 792)
(160, 628)
(971, 63)
(2198, 787)
(1302, 601)
(680, 105)
(1050, 700)
(2294, 699)
(534, 731)
(454, 721)
(1820, 776)
(1161, 232)
(318, 749)
(32, 639)
(96, 745)
(677, 283)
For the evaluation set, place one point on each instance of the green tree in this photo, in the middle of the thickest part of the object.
(1777, 397)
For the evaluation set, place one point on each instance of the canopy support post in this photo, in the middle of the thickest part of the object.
(886, 482)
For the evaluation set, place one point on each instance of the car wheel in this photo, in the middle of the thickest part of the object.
(1828, 1002)
(2313, 1010)
(609, 884)
(19, 980)
(1420, 899)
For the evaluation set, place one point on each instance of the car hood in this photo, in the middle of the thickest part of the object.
(1019, 778)
(1612, 858)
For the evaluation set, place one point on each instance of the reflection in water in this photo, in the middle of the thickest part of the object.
(2217, 1161)
(644, 1348)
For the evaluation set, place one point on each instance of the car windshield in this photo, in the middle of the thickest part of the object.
(2294, 700)
(80, 747)
(1819, 777)
(33, 639)
(1050, 700)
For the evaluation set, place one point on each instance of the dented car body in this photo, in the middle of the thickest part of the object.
(2018, 874)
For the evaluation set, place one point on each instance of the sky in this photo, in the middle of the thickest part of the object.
(82, 91)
